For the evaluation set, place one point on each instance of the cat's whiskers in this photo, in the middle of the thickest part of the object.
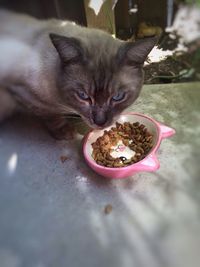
(64, 109)
(72, 117)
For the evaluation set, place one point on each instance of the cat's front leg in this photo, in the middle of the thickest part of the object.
(7, 104)
(60, 128)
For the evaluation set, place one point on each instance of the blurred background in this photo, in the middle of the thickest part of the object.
(176, 59)
(52, 213)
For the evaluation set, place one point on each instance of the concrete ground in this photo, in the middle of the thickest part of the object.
(52, 213)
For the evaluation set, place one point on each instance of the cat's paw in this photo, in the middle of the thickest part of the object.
(65, 133)
(60, 129)
(7, 105)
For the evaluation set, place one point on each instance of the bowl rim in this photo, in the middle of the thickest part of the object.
(137, 164)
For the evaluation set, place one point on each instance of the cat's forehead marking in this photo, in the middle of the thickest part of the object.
(102, 78)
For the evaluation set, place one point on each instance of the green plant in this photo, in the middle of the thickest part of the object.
(197, 56)
(197, 2)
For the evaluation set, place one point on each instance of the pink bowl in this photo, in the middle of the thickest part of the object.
(149, 163)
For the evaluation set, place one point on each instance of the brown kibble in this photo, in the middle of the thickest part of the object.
(118, 125)
(148, 134)
(127, 161)
(109, 157)
(63, 158)
(126, 142)
(137, 131)
(139, 149)
(136, 124)
(135, 136)
(116, 164)
(150, 145)
(149, 138)
(141, 126)
(134, 159)
(108, 209)
(106, 138)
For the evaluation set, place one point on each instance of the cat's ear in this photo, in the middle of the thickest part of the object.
(68, 48)
(136, 52)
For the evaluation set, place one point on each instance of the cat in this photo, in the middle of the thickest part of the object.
(53, 68)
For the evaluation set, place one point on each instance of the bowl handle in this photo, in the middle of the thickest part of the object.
(150, 163)
(166, 131)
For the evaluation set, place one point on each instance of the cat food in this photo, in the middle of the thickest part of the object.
(63, 158)
(108, 209)
(132, 136)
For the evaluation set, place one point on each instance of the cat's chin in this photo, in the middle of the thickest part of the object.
(97, 127)
(94, 126)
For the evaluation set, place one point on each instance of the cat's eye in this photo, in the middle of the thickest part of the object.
(82, 95)
(119, 96)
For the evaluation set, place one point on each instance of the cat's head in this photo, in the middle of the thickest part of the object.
(100, 77)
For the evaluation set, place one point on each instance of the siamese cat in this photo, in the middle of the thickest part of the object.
(53, 68)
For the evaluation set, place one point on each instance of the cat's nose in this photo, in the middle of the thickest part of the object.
(100, 118)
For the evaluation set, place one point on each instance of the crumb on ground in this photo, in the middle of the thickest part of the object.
(108, 209)
(63, 158)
